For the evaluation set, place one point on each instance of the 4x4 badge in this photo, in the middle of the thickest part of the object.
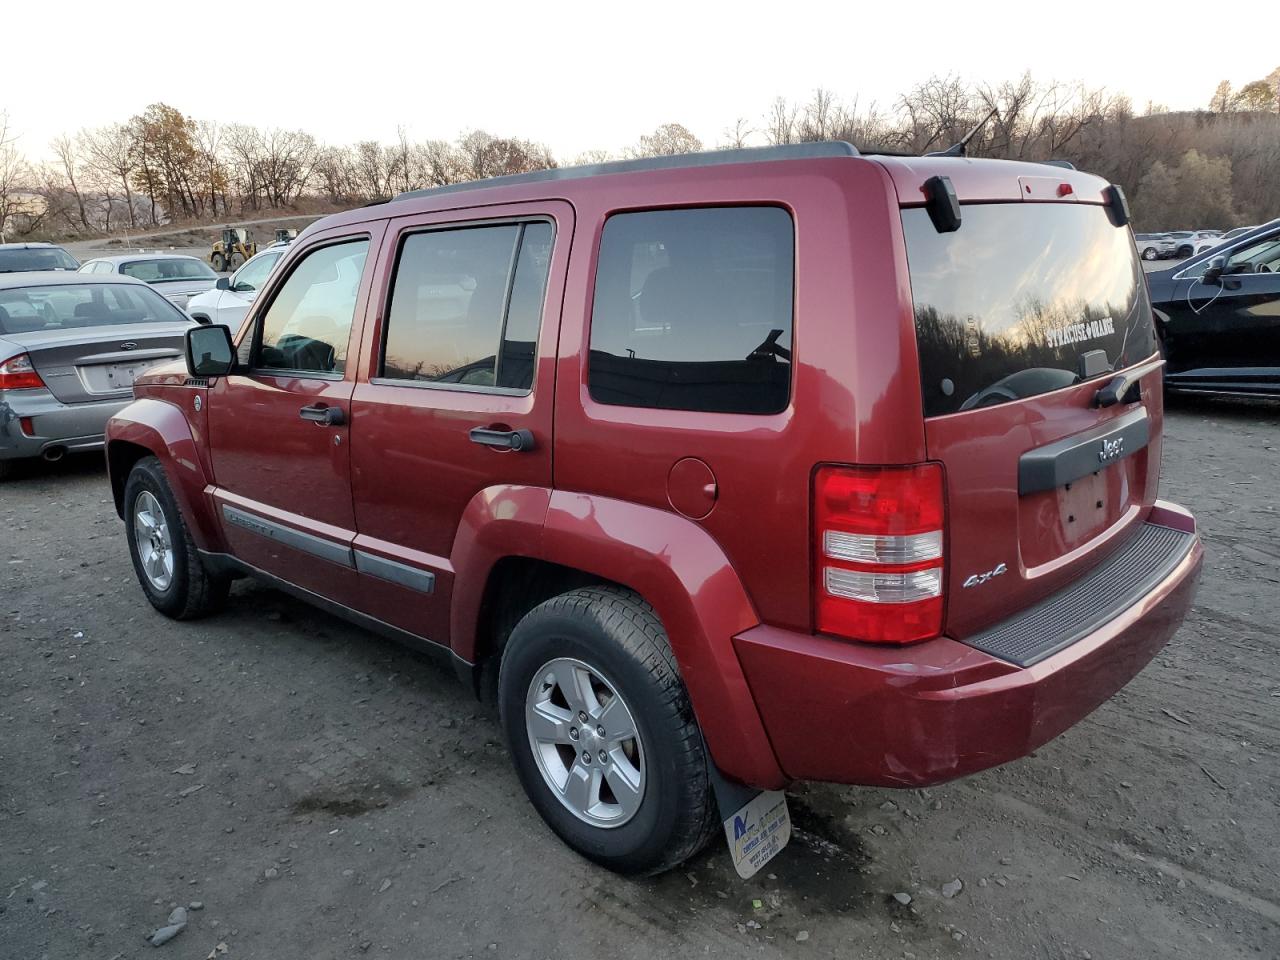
(980, 578)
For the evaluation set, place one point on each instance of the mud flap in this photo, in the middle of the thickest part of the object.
(757, 823)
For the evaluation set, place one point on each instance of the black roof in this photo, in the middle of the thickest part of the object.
(712, 158)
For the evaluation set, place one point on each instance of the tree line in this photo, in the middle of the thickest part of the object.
(1214, 167)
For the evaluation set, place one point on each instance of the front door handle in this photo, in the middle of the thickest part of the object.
(517, 441)
(327, 416)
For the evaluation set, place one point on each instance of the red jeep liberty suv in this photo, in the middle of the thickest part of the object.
(732, 468)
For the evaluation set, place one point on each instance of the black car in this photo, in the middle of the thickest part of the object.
(1218, 317)
(26, 257)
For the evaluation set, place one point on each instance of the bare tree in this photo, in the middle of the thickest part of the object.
(13, 173)
(433, 163)
(67, 151)
(207, 138)
(111, 153)
(780, 123)
(667, 140)
(591, 157)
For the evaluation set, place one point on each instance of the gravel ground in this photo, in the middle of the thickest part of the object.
(320, 792)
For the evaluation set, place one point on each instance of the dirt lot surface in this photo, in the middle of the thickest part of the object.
(323, 793)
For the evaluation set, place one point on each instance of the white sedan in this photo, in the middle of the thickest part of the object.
(174, 276)
(230, 300)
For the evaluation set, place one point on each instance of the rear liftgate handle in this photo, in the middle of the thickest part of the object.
(517, 441)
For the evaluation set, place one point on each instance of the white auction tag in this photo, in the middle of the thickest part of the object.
(758, 831)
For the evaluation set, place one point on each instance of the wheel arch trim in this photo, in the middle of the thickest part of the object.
(671, 562)
(159, 429)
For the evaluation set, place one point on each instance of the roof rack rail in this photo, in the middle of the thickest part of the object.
(790, 151)
(1065, 164)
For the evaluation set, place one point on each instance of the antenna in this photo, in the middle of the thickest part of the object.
(958, 149)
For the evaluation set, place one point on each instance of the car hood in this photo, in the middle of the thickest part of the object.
(208, 299)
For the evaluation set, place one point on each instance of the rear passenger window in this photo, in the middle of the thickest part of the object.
(466, 305)
(693, 310)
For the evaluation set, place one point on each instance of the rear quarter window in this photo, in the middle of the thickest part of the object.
(693, 310)
(1007, 306)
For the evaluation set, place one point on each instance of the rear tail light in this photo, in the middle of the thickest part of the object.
(878, 536)
(18, 373)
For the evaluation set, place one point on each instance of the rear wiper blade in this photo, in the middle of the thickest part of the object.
(1119, 387)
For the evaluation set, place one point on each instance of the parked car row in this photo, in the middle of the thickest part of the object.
(1181, 244)
(73, 337)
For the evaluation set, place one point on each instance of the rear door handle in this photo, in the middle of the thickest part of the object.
(517, 441)
(328, 416)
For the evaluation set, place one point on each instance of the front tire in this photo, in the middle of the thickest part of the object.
(602, 732)
(1150, 254)
(164, 557)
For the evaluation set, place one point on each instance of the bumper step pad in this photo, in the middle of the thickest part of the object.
(1096, 598)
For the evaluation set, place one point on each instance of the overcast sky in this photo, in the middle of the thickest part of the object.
(578, 76)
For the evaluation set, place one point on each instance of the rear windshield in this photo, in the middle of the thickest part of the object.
(36, 258)
(162, 271)
(73, 305)
(1008, 306)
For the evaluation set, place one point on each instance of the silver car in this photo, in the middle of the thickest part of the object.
(71, 346)
(176, 276)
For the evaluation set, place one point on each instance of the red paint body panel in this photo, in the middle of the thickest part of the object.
(940, 710)
(977, 181)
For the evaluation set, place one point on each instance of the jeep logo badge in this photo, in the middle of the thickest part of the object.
(1111, 449)
(128, 345)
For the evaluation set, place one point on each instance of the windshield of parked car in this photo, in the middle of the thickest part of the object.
(20, 259)
(166, 271)
(1007, 306)
(74, 305)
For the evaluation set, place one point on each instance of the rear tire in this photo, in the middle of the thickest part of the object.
(218, 262)
(237, 261)
(164, 557)
(1150, 254)
(610, 648)
(8, 470)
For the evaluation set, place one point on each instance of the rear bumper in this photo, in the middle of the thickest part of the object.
(54, 425)
(918, 715)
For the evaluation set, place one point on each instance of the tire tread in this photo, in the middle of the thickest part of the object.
(634, 626)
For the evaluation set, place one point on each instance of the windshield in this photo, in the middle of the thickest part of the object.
(74, 305)
(21, 259)
(164, 271)
(1007, 306)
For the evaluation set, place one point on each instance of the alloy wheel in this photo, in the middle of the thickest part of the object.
(585, 742)
(155, 547)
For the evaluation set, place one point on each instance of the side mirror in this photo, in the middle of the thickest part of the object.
(1213, 272)
(210, 351)
(224, 283)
